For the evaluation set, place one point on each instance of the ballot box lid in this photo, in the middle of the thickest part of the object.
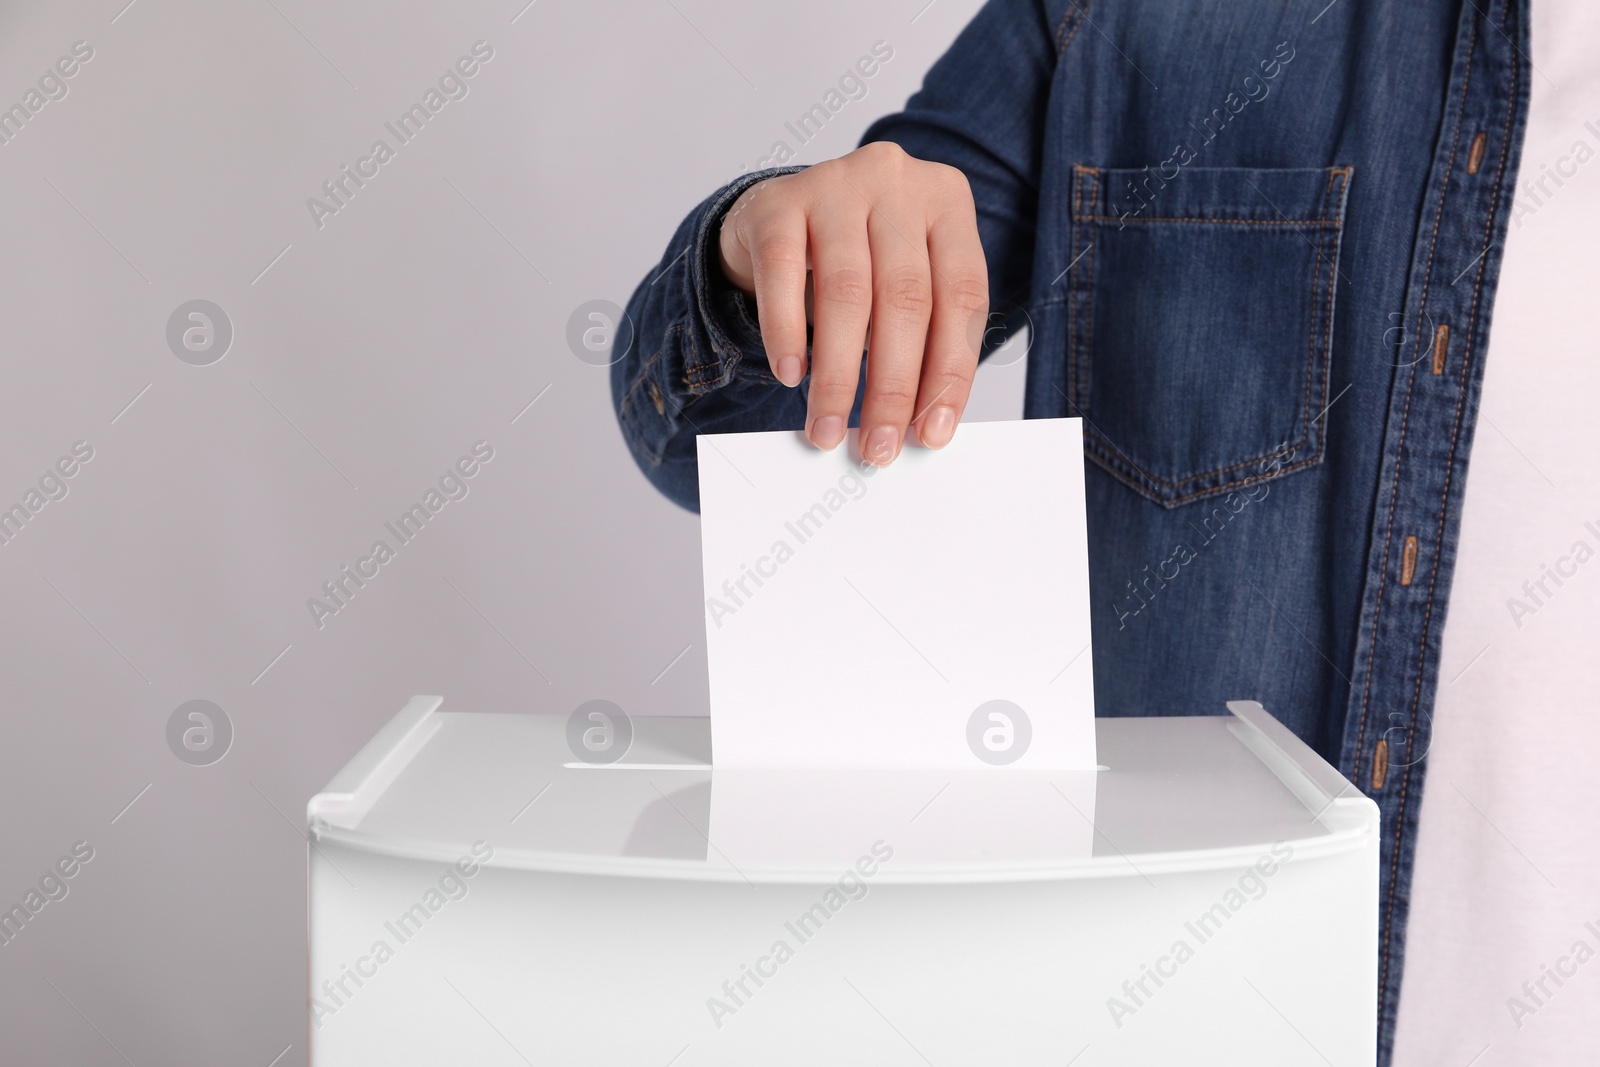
(1173, 794)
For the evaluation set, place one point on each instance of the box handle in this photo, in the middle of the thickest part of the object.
(1316, 783)
(357, 787)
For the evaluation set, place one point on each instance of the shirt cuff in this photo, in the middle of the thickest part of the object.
(727, 312)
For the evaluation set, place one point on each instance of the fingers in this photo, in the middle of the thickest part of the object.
(774, 234)
(955, 332)
(880, 252)
(732, 254)
(841, 272)
(902, 302)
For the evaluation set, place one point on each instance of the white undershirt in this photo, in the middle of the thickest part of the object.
(1508, 855)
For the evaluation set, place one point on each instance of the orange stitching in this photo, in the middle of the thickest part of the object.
(1333, 288)
(1128, 467)
(1079, 173)
(644, 371)
(1072, 284)
(1444, 499)
(1394, 866)
(1225, 222)
(1286, 450)
(1082, 10)
(1427, 277)
(1334, 172)
(1311, 348)
(1109, 463)
(1085, 368)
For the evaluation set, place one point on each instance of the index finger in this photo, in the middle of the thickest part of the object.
(778, 253)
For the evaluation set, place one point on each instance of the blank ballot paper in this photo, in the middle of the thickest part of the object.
(930, 614)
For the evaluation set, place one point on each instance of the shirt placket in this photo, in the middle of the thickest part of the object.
(1428, 435)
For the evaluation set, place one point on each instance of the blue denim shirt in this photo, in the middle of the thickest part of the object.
(1256, 246)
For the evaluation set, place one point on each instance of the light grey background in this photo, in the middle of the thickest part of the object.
(368, 355)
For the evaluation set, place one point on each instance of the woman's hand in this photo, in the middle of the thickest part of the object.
(873, 244)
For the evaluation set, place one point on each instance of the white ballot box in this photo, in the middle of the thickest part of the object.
(486, 889)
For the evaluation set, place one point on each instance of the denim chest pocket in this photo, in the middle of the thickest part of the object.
(1200, 323)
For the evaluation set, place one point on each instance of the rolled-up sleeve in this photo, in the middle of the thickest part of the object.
(697, 363)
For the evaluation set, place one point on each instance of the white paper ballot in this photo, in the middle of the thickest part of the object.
(934, 613)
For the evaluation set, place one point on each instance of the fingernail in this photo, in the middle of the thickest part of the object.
(827, 432)
(882, 443)
(938, 426)
(789, 372)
